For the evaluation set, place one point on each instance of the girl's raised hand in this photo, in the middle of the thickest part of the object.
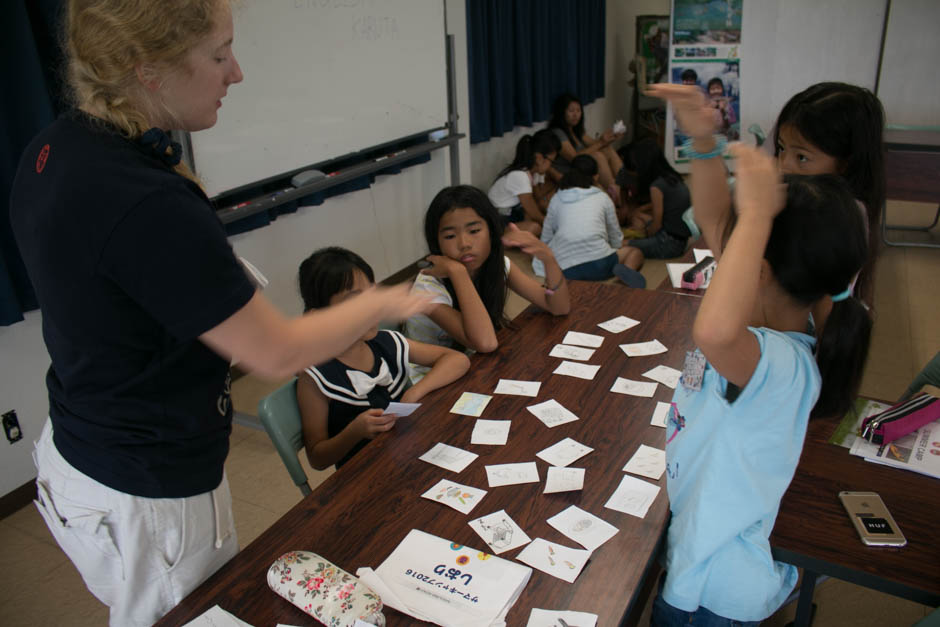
(759, 190)
(525, 241)
(695, 114)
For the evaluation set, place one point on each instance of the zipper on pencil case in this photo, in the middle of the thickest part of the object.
(896, 413)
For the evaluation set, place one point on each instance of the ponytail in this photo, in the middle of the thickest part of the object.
(840, 354)
(526, 148)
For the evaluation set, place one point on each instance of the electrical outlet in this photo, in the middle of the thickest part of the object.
(11, 425)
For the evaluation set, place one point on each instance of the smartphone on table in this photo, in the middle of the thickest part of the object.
(871, 519)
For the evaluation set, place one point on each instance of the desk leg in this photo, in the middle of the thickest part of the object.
(804, 606)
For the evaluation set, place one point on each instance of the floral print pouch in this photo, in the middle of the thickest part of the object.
(324, 591)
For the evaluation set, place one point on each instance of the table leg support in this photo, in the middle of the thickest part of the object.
(804, 607)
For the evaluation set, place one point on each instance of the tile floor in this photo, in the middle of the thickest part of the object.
(39, 586)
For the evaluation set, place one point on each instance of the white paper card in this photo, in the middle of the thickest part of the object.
(518, 388)
(511, 474)
(647, 462)
(640, 349)
(552, 413)
(564, 452)
(583, 527)
(583, 339)
(619, 324)
(215, 616)
(494, 432)
(633, 388)
(470, 404)
(556, 618)
(448, 457)
(665, 375)
(461, 497)
(572, 369)
(701, 253)
(675, 271)
(633, 496)
(571, 352)
(564, 479)
(500, 532)
(402, 409)
(660, 415)
(554, 559)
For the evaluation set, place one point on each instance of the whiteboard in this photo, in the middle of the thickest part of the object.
(909, 89)
(323, 79)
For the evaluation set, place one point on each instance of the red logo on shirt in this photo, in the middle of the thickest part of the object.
(42, 158)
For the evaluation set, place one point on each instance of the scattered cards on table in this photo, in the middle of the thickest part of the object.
(402, 409)
(512, 474)
(448, 457)
(518, 388)
(647, 462)
(552, 413)
(462, 498)
(665, 375)
(583, 527)
(573, 369)
(640, 349)
(633, 496)
(563, 452)
(560, 618)
(556, 560)
(493, 432)
(571, 352)
(619, 324)
(470, 404)
(633, 388)
(660, 414)
(500, 532)
(563, 479)
(583, 339)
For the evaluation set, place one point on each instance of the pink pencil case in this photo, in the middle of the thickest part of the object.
(901, 419)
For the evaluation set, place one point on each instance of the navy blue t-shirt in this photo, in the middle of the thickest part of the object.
(130, 265)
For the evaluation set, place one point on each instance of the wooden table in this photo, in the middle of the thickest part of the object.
(813, 530)
(362, 512)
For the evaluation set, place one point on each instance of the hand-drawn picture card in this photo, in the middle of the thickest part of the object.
(552, 413)
(500, 532)
(511, 474)
(560, 618)
(493, 432)
(633, 496)
(647, 462)
(448, 457)
(619, 324)
(577, 353)
(518, 388)
(640, 349)
(633, 388)
(665, 375)
(574, 369)
(554, 559)
(401, 409)
(583, 527)
(660, 414)
(470, 404)
(563, 452)
(563, 479)
(583, 339)
(462, 498)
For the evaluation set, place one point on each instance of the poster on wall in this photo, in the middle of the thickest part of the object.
(652, 42)
(706, 38)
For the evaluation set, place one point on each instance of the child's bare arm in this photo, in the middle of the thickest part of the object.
(447, 366)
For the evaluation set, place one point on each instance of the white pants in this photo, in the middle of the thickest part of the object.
(139, 556)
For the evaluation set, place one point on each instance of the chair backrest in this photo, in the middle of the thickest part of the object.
(280, 416)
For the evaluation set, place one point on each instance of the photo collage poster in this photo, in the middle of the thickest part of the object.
(704, 51)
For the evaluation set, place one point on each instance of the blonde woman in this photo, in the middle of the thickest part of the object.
(144, 305)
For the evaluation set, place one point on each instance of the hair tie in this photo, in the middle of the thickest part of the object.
(842, 295)
(687, 151)
(158, 141)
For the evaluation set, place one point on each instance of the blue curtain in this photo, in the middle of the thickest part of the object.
(29, 57)
(524, 53)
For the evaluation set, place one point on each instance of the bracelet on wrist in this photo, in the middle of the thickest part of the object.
(721, 143)
(550, 291)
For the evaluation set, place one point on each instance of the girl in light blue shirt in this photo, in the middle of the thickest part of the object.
(739, 416)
